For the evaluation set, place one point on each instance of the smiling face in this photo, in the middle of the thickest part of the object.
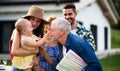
(69, 15)
(35, 22)
(59, 29)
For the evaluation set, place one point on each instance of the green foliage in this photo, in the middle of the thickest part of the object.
(117, 26)
(9, 63)
(111, 63)
(115, 38)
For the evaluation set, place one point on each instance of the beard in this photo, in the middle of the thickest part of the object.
(53, 39)
(70, 20)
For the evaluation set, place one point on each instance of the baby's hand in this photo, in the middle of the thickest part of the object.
(47, 36)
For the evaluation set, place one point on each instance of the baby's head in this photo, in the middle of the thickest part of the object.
(22, 25)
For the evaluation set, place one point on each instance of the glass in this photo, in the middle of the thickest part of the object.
(4, 60)
(2, 67)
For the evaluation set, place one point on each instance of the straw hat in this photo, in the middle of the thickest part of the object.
(36, 11)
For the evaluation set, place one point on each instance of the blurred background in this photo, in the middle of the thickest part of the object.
(101, 16)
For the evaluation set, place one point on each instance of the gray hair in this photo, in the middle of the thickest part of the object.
(61, 23)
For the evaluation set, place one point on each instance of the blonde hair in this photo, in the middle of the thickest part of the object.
(20, 24)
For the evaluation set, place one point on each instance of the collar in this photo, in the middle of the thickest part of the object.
(67, 44)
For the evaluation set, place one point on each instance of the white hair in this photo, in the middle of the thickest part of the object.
(61, 23)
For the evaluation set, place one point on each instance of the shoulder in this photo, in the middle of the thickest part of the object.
(24, 38)
(36, 38)
(74, 38)
(83, 31)
(82, 27)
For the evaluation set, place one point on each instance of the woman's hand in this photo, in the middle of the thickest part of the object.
(42, 49)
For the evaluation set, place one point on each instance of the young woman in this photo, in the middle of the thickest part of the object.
(35, 15)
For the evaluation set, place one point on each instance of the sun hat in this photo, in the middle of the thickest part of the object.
(36, 11)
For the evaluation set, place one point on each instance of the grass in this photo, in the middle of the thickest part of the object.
(111, 63)
(115, 38)
(8, 63)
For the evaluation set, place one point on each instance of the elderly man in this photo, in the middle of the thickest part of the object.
(60, 30)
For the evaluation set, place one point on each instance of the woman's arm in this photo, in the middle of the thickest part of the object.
(17, 50)
(52, 61)
(43, 51)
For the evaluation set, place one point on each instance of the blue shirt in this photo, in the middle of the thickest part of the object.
(84, 50)
(56, 54)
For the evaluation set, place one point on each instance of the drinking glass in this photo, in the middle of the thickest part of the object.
(4, 60)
